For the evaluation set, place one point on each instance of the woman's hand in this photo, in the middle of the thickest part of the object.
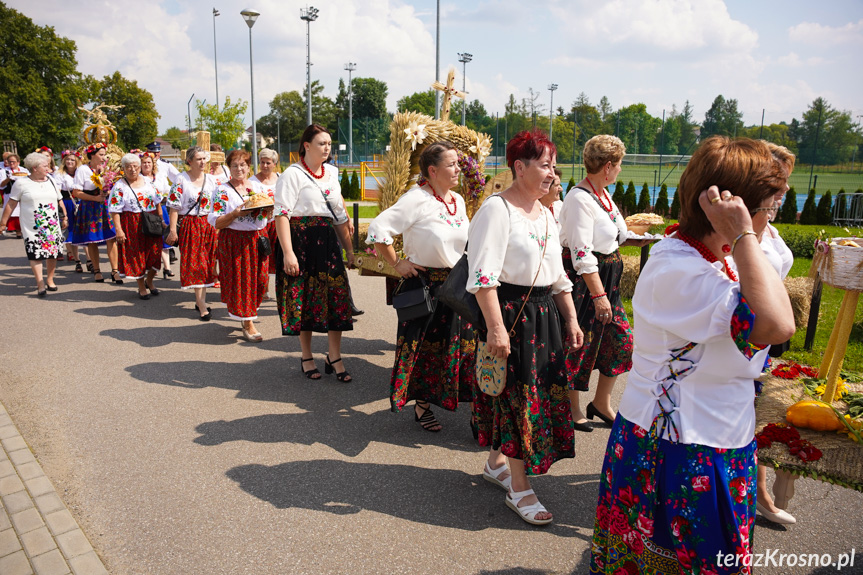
(121, 236)
(635, 243)
(171, 240)
(602, 310)
(574, 337)
(498, 342)
(407, 268)
(64, 223)
(350, 260)
(290, 263)
(727, 213)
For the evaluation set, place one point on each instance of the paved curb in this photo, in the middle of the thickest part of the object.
(38, 534)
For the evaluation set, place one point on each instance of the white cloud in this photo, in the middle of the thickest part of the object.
(792, 60)
(815, 34)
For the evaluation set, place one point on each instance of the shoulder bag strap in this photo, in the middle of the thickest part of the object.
(524, 302)
(134, 195)
(323, 195)
(200, 196)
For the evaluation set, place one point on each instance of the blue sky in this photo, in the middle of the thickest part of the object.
(771, 55)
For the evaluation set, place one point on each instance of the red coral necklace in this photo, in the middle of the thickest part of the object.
(602, 197)
(441, 200)
(309, 170)
(705, 253)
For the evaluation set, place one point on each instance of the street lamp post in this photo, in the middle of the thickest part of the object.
(464, 58)
(216, 56)
(437, 63)
(551, 89)
(279, 138)
(309, 14)
(250, 16)
(189, 112)
(350, 67)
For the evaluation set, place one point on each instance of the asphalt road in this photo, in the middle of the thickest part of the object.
(182, 449)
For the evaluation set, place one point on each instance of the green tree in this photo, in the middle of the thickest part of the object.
(226, 124)
(630, 201)
(670, 134)
(370, 98)
(422, 102)
(661, 206)
(644, 199)
(288, 113)
(179, 139)
(570, 185)
(686, 142)
(841, 204)
(836, 137)
(788, 212)
(809, 215)
(588, 120)
(824, 212)
(638, 129)
(137, 121)
(606, 116)
(356, 190)
(674, 211)
(619, 195)
(39, 84)
(722, 118)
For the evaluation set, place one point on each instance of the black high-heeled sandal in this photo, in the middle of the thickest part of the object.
(100, 279)
(167, 274)
(114, 279)
(427, 420)
(312, 373)
(206, 316)
(343, 377)
(78, 268)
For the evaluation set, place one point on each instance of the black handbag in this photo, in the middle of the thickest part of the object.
(453, 293)
(264, 247)
(151, 222)
(414, 303)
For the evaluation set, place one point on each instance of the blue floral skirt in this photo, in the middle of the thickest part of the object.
(670, 508)
(71, 209)
(93, 224)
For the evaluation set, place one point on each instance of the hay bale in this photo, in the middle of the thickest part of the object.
(631, 265)
(800, 293)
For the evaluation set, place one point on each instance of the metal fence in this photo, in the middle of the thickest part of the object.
(848, 210)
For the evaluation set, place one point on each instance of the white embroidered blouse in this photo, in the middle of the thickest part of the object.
(777, 252)
(226, 200)
(504, 246)
(432, 237)
(184, 196)
(122, 198)
(299, 195)
(586, 227)
(685, 362)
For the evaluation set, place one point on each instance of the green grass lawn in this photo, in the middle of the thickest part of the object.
(365, 211)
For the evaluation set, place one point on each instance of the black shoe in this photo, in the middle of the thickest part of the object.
(312, 373)
(355, 310)
(583, 426)
(167, 274)
(78, 268)
(50, 288)
(42, 293)
(100, 279)
(116, 280)
(153, 291)
(144, 296)
(343, 377)
(206, 316)
(593, 412)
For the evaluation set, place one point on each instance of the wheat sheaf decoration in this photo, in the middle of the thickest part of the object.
(410, 133)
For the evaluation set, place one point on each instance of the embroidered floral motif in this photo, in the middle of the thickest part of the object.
(378, 240)
(580, 253)
(540, 239)
(454, 222)
(483, 280)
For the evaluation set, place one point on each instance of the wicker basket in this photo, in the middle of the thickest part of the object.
(840, 266)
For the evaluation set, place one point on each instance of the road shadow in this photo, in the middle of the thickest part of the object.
(439, 497)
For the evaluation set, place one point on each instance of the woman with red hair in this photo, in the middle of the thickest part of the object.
(242, 266)
(517, 275)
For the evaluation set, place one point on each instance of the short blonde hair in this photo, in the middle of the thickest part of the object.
(269, 154)
(599, 150)
(785, 156)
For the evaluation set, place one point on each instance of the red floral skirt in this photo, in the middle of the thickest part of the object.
(139, 252)
(242, 272)
(607, 348)
(198, 244)
(318, 299)
(435, 355)
(531, 419)
(274, 239)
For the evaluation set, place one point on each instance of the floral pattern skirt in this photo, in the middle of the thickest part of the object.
(42, 233)
(607, 348)
(274, 240)
(139, 252)
(242, 272)
(530, 420)
(198, 242)
(435, 355)
(71, 211)
(318, 299)
(670, 508)
(93, 224)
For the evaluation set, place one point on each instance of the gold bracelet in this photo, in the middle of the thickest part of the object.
(746, 233)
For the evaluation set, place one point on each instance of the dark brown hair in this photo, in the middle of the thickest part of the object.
(432, 155)
(308, 135)
(745, 167)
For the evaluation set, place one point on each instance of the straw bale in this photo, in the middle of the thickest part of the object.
(800, 293)
(631, 265)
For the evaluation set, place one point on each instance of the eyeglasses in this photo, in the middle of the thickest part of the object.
(774, 208)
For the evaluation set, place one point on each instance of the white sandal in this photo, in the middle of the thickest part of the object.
(528, 512)
(492, 475)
